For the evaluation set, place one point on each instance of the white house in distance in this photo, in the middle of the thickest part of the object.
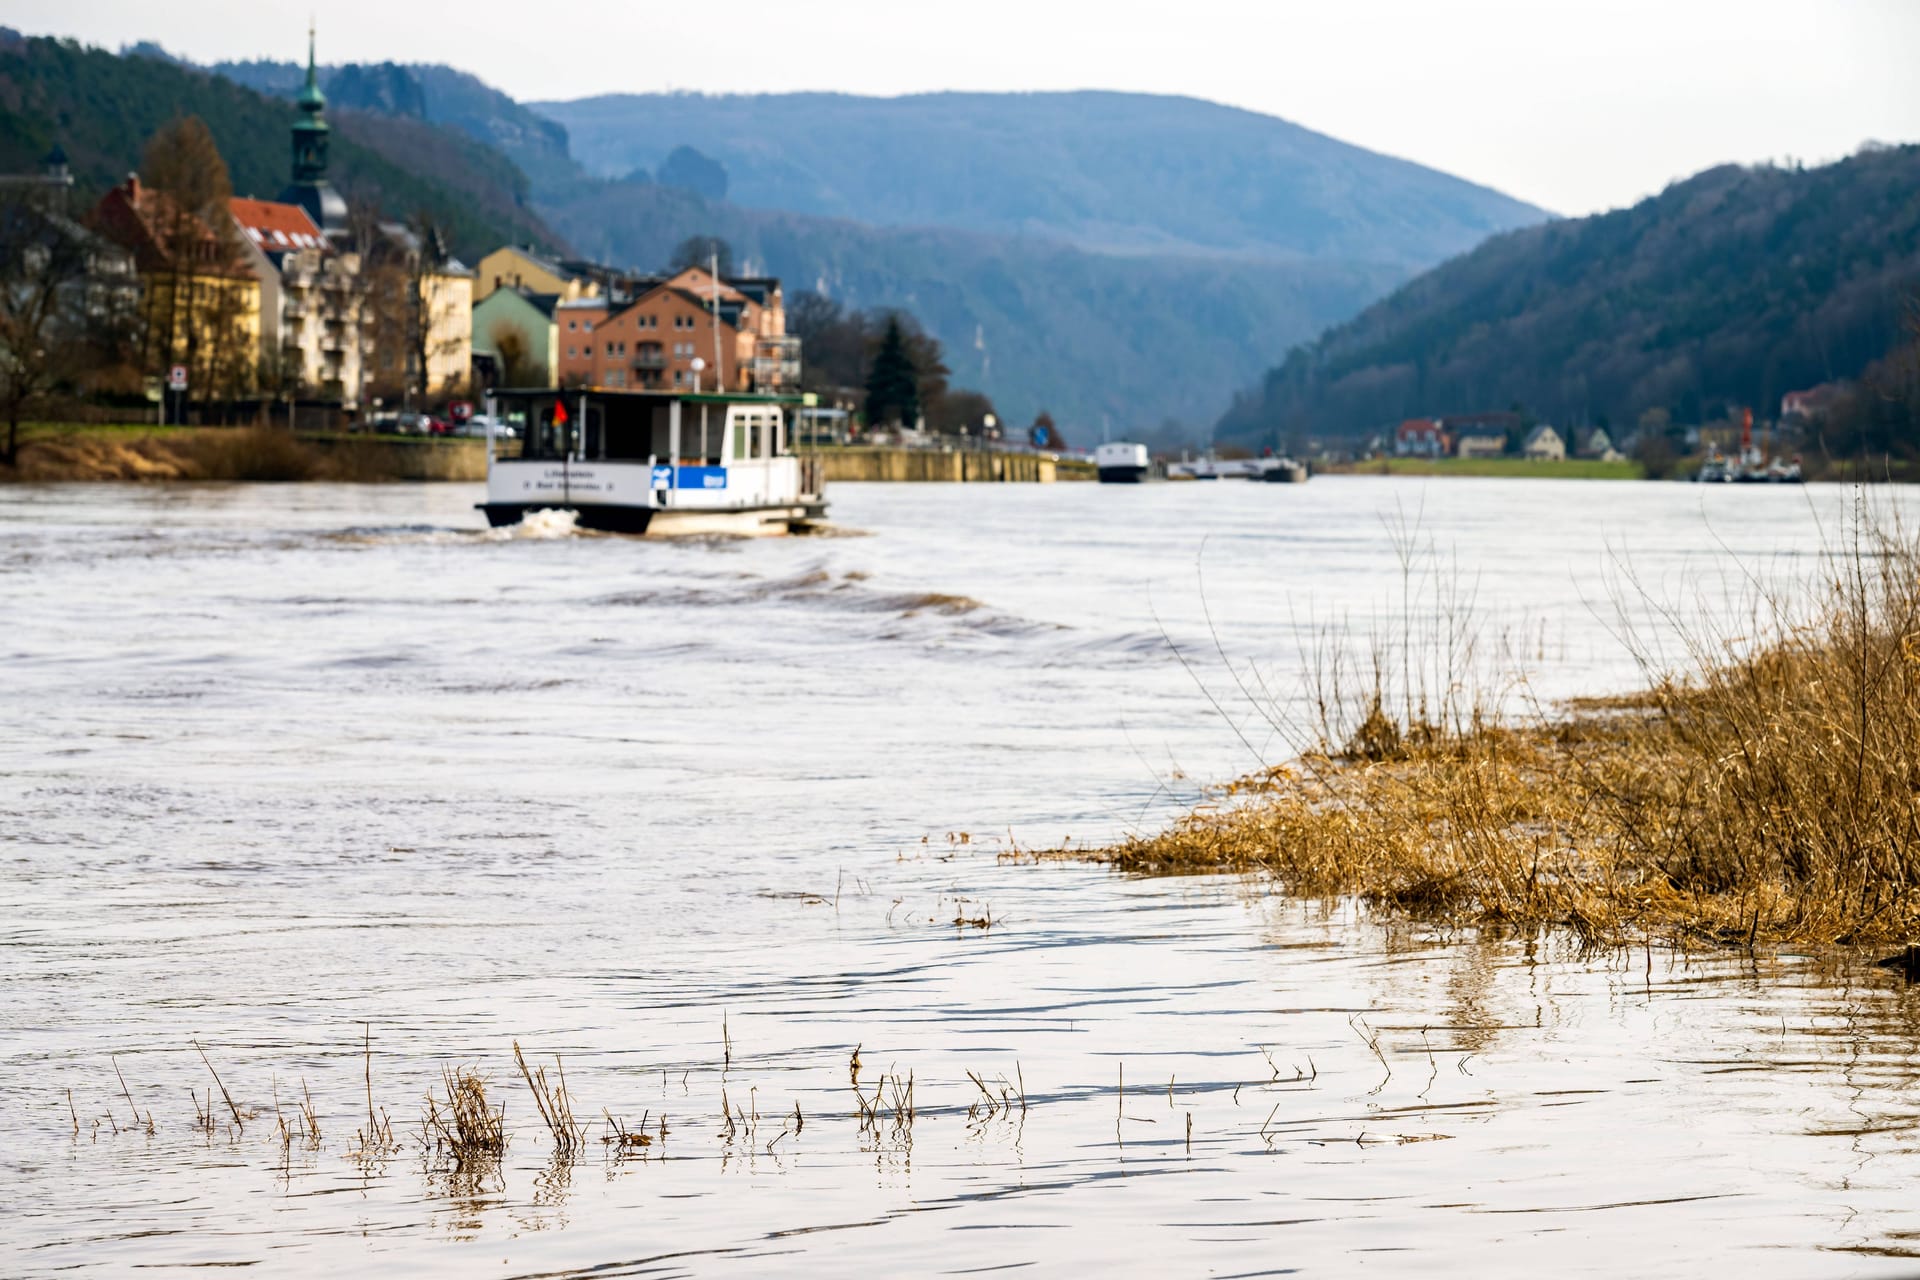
(1543, 444)
(1480, 442)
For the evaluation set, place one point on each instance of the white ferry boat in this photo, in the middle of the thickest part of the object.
(1121, 463)
(665, 463)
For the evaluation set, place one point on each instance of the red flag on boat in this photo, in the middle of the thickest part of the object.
(560, 413)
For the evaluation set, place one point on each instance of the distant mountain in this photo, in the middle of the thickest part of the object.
(1732, 287)
(102, 108)
(1132, 340)
(1038, 324)
(1111, 172)
(1102, 256)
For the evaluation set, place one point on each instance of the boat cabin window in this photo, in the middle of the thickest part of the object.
(703, 432)
(756, 433)
(593, 437)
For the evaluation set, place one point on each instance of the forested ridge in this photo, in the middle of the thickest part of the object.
(102, 107)
(1728, 289)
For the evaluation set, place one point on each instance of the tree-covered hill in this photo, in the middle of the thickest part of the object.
(102, 107)
(1730, 288)
(434, 93)
(1111, 172)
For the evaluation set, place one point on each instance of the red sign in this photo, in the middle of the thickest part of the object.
(560, 413)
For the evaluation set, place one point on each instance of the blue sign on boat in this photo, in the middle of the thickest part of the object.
(702, 478)
(663, 477)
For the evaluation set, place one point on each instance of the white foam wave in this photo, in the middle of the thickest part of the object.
(539, 526)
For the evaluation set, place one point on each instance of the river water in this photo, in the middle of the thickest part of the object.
(333, 783)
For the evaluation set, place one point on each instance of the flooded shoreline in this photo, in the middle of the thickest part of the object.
(287, 762)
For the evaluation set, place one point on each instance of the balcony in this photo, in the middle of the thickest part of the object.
(645, 362)
(774, 373)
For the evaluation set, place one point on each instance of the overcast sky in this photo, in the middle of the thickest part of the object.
(1575, 105)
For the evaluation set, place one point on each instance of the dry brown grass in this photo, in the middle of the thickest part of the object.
(466, 1125)
(1769, 790)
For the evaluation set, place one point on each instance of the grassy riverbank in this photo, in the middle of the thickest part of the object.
(55, 452)
(1505, 468)
(1771, 792)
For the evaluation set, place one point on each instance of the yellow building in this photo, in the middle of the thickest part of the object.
(208, 324)
(446, 294)
(199, 299)
(519, 267)
(418, 326)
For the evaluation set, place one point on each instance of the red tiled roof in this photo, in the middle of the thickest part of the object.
(275, 227)
(148, 222)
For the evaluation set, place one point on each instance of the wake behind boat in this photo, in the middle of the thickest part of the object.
(665, 463)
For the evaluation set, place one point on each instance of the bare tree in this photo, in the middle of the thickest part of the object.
(702, 251)
(197, 302)
(410, 308)
(510, 346)
(66, 304)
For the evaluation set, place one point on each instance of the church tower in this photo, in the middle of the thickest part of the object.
(310, 188)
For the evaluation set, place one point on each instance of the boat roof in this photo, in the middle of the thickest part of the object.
(617, 393)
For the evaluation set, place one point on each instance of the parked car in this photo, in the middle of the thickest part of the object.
(419, 424)
(476, 426)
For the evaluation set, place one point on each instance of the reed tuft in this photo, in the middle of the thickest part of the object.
(466, 1126)
(1769, 788)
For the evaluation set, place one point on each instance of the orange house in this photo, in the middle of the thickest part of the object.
(738, 334)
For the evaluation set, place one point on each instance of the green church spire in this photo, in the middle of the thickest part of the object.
(311, 100)
(310, 188)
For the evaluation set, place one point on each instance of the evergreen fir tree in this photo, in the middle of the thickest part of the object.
(893, 385)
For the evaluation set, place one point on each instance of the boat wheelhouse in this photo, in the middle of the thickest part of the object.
(649, 461)
(1121, 462)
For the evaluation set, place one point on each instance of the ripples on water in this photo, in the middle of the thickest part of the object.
(280, 762)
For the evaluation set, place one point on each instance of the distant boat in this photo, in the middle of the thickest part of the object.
(1747, 470)
(1122, 463)
(1283, 471)
(1272, 470)
(1751, 466)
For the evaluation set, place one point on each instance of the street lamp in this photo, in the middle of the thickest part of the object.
(698, 366)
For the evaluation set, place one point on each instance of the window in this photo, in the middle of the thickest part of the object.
(588, 325)
(569, 353)
(616, 378)
(609, 348)
(570, 324)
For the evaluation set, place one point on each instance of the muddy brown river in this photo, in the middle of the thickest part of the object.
(335, 783)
